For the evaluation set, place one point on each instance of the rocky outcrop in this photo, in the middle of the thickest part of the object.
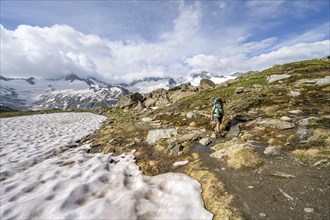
(278, 77)
(206, 84)
(130, 101)
(323, 81)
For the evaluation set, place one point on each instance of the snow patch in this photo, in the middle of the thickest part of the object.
(67, 182)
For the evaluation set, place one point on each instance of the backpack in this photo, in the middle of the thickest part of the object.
(217, 110)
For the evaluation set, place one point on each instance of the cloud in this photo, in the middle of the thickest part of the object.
(196, 39)
(299, 51)
(50, 52)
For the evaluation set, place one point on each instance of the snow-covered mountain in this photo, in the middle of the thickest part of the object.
(149, 84)
(195, 78)
(70, 92)
(74, 92)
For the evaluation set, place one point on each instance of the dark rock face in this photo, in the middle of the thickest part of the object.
(130, 101)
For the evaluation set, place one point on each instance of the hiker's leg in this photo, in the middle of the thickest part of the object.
(218, 127)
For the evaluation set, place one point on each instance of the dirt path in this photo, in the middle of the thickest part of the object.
(259, 194)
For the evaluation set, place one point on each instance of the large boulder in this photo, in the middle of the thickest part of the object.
(275, 123)
(130, 101)
(155, 135)
(278, 77)
(206, 84)
(323, 81)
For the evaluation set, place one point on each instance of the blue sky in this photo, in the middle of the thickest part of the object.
(125, 40)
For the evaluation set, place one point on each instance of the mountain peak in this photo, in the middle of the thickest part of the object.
(72, 77)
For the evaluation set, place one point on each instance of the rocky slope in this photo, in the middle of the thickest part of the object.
(271, 159)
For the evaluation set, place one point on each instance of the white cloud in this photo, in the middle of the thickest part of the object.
(300, 51)
(50, 52)
(55, 51)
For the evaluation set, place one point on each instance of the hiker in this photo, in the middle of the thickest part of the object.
(217, 113)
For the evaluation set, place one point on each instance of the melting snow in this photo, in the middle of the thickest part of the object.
(43, 177)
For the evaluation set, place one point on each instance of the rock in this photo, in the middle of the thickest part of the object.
(206, 84)
(296, 112)
(303, 133)
(273, 151)
(192, 115)
(239, 90)
(155, 135)
(180, 163)
(275, 123)
(294, 94)
(320, 162)
(323, 81)
(284, 175)
(277, 77)
(150, 102)
(146, 119)
(175, 148)
(140, 106)
(262, 215)
(213, 135)
(308, 210)
(256, 86)
(226, 152)
(192, 124)
(234, 131)
(305, 121)
(129, 101)
(205, 141)
(187, 137)
(286, 118)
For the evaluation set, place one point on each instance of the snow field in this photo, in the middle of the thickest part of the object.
(69, 183)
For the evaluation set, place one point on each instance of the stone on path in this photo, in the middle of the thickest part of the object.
(275, 123)
(205, 141)
(273, 150)
(155, 135)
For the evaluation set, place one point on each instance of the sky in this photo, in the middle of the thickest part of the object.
(120, 41)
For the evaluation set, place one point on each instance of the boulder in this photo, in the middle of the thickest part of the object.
(150, 102)
(256, 86)
(155, 135)
(277, 77)
(296, 112)
(323, 81)
(303, 134)
(187, 137)
(239, 90)
(130, 101)
(273, 150)
(140, 106)
(205, 141)
(228, 151)
(206, 84)
(192, 115)
(174, 148)
(275, 123)
(305, 121)
(286, 118)
(234, 131)
(294, 94)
